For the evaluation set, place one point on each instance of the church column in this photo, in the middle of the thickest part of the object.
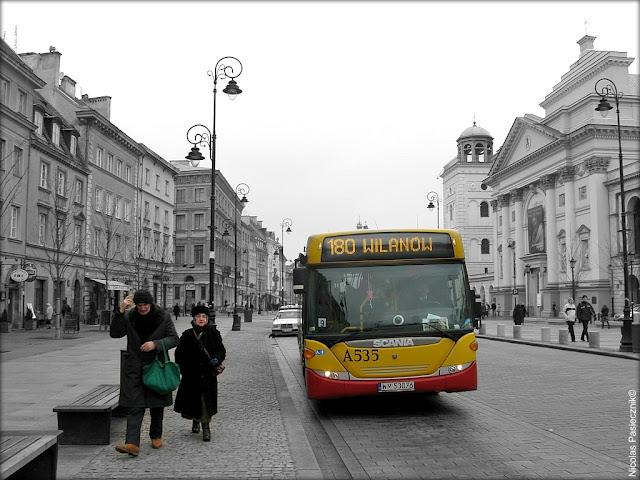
(548, 185)
(516, 196)
(567, 175)
(494, 250)
(507, 265)
(596, 168)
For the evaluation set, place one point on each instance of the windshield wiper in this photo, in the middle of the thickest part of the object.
(393, 327)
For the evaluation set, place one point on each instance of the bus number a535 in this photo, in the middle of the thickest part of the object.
(361, 355)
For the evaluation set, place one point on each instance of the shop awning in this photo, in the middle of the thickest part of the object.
(112, 284)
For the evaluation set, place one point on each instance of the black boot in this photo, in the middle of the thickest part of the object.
(206, 433)
(195, 428)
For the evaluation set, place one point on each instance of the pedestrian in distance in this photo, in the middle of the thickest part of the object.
(148, 328)
(604, 316)
(498, 310)
(554, 310)
(518, 314)
(176, 311)
(585, 313)
(49, 315)
(569, 313)
(493, 309)
(200, 354)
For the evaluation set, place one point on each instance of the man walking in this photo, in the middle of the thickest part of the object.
(585, 312)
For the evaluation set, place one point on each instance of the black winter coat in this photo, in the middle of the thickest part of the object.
(133, 393)
(198, 376)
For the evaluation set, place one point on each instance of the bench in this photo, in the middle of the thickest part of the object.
(28, 454)
(87, 420)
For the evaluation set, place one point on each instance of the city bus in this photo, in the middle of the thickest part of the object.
(386, 311)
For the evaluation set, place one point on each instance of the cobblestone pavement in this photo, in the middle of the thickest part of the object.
(249, 433)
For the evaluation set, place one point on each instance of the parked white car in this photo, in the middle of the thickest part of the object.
(287, 320)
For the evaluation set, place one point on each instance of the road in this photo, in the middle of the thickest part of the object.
(538, 413)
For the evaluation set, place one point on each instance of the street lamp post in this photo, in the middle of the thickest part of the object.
(612, 297)
(512, 245)
(201, 135)
(527, 271)
(433, 197)
(609, 89)
(286, 222)
(572, 263)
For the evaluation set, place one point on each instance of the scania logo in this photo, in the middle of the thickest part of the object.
(393, 342)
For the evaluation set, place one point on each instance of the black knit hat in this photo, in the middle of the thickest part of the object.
(142, 296)
(200, 309)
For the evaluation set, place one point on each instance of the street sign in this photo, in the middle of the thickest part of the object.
(515, 291)
(31, 270)
(18, 275)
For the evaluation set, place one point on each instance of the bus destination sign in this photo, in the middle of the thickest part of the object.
(386, 246)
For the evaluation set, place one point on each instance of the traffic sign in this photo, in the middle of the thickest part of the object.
(515, 291)
(18, 275)
(31, 270)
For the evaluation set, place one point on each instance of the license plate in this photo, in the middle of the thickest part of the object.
(396, 387)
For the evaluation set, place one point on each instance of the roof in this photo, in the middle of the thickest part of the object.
(474, 131)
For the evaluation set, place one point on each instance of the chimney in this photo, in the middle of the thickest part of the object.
(44, 65)
(68, 85)
(102, 105)
(586, 44)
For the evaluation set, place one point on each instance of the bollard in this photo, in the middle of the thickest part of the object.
(500, 329)
(594, 339)
(483, 329)
(517, 331)
(563, 337)
(545, 333)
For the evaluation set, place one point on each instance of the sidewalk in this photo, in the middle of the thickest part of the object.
(531, 334)
(254, 434)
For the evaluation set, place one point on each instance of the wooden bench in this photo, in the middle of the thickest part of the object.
(87, 420)
(28, 454)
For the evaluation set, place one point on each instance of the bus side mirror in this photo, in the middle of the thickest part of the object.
(299, 280)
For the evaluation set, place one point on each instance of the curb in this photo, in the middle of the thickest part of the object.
(562, 347)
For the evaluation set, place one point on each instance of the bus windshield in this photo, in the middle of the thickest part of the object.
(429, 299)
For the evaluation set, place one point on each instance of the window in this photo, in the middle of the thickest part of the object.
(127, 210)
(198, 221)
(584, 252)
(118, 208)
(166, 187)
(199, 195)
(484, 209)
(118, 242)
(42, 228)
(145, 247)
(96, 241)
(582, 193)
(17, 162)
(561, 200)
(44, 175)
(156, 215)
(468, 154)
(480, 152)
(77, 238)
(156, 248)
(513, 215)
(147, 174)
(79, 187)
(13, 225)
(146, 210)
(127, 174)
(562, 250)
(451, 213)
(110, 162)
(500, 266)
(176, 292)
(22, 102)
(484, 246)
(158, 182)
(179, 222)
(166, 218)
(108, 201)
(4, 91)
(119, 168)
(99, 153)
(500, 221)
(99, 199)
(61, 183)
(73, 146)
(180, 260)
(55, 134)
(60, 233)
(180, 195)
(203, 292)
(198, 254)
(38, 119)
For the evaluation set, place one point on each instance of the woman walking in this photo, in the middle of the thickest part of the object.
(148, 328)
(200, 354)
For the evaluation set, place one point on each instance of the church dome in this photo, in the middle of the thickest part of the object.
(474, 131)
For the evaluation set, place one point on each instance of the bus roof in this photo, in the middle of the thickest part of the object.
(384, 245)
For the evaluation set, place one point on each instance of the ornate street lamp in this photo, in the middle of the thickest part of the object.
(433, 197)
(286, 222)
(512, 245)
(572, 263)
(226, 67)
(608, 89)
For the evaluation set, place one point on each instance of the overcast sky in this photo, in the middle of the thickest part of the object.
(349, 110)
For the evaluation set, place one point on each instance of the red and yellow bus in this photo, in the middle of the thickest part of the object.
(386, 311)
